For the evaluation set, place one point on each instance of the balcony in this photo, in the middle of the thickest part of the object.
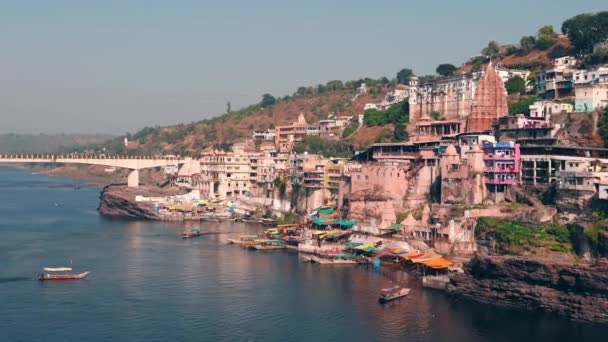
(499, 181)
(394, 155)
(499, 169)
(499, 156)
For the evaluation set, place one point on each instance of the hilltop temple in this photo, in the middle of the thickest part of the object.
(490, 102)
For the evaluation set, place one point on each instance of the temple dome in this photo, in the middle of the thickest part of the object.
(451, 150)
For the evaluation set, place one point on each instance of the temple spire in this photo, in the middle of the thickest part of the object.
(490, 101)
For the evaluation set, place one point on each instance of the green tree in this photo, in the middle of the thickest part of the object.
(384, 80)
(435, 115)
(446, 69)
(404, 75)
(602, 126)
(374, 117)
(301, 91)
(426, 79)
(268, 100)
(522, 106)
(527, 44)
(585, 30)
(477, 66)
(492, 50)
(348, 131)
(544, 37)
(515, 85)
(326, 148)
(321, 89)
(399, 134)
(334, 85)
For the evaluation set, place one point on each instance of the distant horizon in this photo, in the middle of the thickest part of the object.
(113, 67)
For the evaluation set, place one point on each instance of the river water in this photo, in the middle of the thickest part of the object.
(147, 284)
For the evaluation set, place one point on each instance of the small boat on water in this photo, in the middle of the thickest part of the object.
(268, 222)
(392, 293)
(242, 239)
(60, 273)
(194, 232)
(268, 245)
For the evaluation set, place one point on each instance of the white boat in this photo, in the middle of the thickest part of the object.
(392, 293)
(60, 273)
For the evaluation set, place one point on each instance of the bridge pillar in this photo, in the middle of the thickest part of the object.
(133, 180)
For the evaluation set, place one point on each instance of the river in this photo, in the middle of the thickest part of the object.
(148, 284)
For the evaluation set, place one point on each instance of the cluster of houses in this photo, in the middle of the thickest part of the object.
(285, 137)
(475, 154)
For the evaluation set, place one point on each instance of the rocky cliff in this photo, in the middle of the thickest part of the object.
(579, 292)
(118, 201)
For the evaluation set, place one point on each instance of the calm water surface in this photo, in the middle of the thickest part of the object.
(147, 284)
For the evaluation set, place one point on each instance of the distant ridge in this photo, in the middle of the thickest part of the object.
(48, 143)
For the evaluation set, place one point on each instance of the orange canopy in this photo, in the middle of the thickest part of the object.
(410, 255)
(439, 263)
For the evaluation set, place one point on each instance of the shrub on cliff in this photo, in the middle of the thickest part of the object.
(518, 237)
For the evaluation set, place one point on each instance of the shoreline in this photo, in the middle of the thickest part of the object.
(577, 292)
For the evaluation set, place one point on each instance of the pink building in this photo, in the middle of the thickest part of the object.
(501, 165)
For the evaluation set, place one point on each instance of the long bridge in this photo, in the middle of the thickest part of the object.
(133, 163)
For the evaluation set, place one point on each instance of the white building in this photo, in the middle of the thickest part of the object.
(268, 134)
(506, 74)
(599, 75)
(590, 97)
(564, 63)
(544, 108)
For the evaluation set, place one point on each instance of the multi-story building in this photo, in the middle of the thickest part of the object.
(527, 130)
(228, 174)
(268, 134)
(286, 136)
(599, 75)
(541, 164)
(466, 141)
(501, 166)
(581, 176)
(545, 108)
(429, 129)
(554, 83)
(564, 63)
(450, 96)
(590, 97)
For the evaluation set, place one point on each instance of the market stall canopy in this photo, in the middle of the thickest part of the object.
(424, 258)
(369, 247)
(410, 255)
(439, 263)
(393, 227)
(325, 211)
(344, 223)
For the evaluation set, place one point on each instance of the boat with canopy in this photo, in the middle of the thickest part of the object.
(60, 273)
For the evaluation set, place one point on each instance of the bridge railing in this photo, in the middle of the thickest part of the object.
(80, 157)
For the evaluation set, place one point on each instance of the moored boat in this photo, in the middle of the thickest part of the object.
(268, 222)
(392, 293)
(60, 273)
(242, 239)
(194, 232)
(268, 245)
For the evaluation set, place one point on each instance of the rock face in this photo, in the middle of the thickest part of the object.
(577, 292)
(118, 201)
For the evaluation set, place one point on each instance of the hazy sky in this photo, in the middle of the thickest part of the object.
(115, 66)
